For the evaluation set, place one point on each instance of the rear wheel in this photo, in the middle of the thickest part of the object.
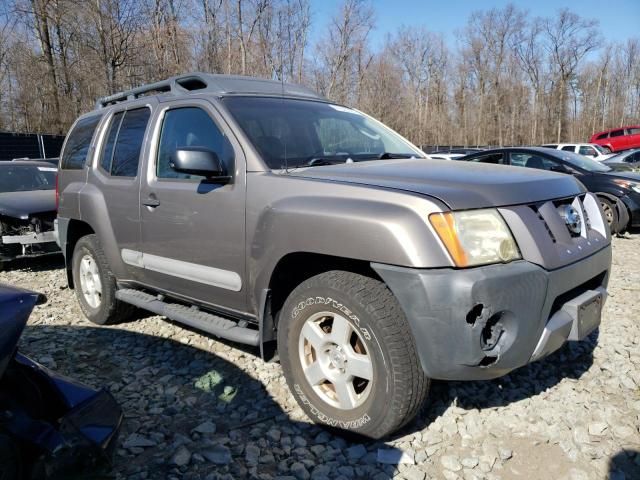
(610, 213)
(607, 150)
(348, 355)
(10, 460)
(95, 285)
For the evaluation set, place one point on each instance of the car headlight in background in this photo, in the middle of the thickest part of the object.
(628, 184)
(475, 237)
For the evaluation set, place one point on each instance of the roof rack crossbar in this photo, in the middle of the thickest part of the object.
(169, 85)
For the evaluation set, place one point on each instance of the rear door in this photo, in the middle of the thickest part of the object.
(192, 229)
(117, 175)
(617, 139)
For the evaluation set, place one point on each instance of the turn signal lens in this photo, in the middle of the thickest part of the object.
(444, 223)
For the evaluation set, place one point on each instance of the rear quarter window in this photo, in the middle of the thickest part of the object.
(602, 136)
(78, 142)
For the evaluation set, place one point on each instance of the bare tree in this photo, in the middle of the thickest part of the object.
(569, 39)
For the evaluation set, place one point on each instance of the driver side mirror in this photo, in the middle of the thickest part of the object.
(198, 161)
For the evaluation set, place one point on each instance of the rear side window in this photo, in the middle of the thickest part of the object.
(569, 148)
(496, 158)
(617, 133)
(78, 141)
(633, 131)
(189, 127)
(121, 153)
(602, 136)
(110, 142)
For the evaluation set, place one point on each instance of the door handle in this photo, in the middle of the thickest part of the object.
(151, 202)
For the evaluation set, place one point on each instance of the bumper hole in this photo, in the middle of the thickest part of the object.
(492, 331)
(474, 314)
(487, 361)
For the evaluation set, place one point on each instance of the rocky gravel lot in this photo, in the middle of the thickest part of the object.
(197, 408)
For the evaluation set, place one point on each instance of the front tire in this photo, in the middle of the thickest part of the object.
(95, 285)
(348, 355)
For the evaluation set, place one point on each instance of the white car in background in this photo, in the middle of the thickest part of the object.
(587, 149)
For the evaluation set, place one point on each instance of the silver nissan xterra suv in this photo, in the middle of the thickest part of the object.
(262, 213)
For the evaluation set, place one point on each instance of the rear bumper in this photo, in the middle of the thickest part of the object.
(483, 322)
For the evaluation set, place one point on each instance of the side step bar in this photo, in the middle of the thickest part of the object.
(218, 326)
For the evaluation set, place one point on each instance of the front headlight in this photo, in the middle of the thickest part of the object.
(475, 237)
(628, 184)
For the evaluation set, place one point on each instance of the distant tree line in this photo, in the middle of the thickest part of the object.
(509, 78)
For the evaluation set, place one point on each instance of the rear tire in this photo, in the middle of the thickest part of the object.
(10, 459)
(610, 214)
(95, 284)
(348, 355)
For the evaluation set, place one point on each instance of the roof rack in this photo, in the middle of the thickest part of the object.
(169, 85)
(218, 84)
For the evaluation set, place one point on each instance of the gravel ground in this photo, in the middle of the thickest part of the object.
(197, 408)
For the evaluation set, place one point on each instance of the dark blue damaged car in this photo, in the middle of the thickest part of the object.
(50, 426)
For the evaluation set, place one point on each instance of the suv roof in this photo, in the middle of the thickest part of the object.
(219, 85)
(609, 130)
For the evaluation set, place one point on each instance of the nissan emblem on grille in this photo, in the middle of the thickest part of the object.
(571, 218)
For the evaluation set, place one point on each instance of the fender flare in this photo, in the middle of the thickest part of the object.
(621, 211)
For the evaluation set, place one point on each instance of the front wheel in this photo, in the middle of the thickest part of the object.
(610, 214)
(348, 355)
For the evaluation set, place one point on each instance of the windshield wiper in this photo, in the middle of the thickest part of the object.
(389, 156)
(320, 161)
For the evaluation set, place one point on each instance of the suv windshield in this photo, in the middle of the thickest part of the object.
(24, 178)
(584, 163)
(294, 133)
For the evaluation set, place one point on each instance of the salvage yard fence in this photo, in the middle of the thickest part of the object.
(29, 145)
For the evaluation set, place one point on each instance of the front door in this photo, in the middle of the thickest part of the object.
(192, 229)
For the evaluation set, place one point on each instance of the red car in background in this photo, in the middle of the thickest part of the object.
(618, 139)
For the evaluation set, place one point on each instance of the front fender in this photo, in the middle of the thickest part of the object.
(378, 226)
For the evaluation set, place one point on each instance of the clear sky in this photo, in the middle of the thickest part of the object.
(619, 19)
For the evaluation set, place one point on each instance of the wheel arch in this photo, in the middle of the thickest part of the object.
(621, 209)
(76, 229)
(290, 271)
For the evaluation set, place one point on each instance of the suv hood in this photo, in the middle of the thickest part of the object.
(20, 204)
(460, 185)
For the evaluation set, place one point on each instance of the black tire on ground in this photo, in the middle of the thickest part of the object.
(378, 328)
(607, 150)
(108, 310)
(10, 460)
(610, 214)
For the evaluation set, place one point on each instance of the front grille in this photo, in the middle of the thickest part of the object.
(553, 215)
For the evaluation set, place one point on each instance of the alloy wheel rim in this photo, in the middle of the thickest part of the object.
(608, 213)
(90, 282)
(335, 360)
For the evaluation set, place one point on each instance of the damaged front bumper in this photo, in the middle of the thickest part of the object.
(26, 238)
(30, 238)
(483, 322)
